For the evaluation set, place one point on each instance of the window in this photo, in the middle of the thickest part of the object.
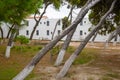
(27, 23)
(44, 22)
(48, 23)
(58, 32)
(40, 22)
(81, 32)
(84, 21)
(47, 32)
(81, 23)
(59, 22)
(27, 32)
(37, 32)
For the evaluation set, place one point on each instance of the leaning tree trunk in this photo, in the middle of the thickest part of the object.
(93, 39)
(66, 42)
(54, 30)
(10, 42)
(51, 54)
(115, 40)
(117, 32)
(82, 45)
(112, 35)
(37, 21)
(7, 53)
(109, 39)
(1, 35)
(10, 29)
(26, 71)
(64, 47)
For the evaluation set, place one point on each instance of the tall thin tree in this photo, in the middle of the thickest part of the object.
(82, 45)
(66, 42)
(26, 71)
(56, 4)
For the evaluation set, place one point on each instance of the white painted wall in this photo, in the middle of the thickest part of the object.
(42, 28)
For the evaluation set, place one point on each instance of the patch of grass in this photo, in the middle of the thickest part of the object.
(113, 75)
(18, 60)
(90, 78)
(86, 56)
(106, 78)
(55, 50)
(71, 49)
(7, 73)
(26, 48)
(32, 75)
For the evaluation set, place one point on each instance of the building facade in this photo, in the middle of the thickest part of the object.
(46, 27)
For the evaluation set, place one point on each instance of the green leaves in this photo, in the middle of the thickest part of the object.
(14, 11)
(22, 39)
(78, 3)
(111, 22)
(65, 22)
(56, 3)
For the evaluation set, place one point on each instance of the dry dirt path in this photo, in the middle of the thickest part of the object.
(106, 67)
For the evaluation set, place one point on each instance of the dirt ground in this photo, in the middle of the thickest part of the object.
(106, 67)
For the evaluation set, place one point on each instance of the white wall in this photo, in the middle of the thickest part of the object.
(42, 28)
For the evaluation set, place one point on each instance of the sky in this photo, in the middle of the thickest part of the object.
(62, 12)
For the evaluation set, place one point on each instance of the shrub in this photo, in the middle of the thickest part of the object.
(22, 39)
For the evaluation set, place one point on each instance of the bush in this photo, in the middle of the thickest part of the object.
(22, 39)
(86, 56)
(55, 50)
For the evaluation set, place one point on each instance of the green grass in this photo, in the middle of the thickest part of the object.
(106, 78)
(7, 73)
(55, 50)
(114, 75)
(111, 76)
(18, 60)
(86, 56)
(21, 56)
(71, 49)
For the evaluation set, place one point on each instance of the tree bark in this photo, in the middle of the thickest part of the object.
(66, 42)
(54, 30)
(37, 21)
(82, 45)
(112, 35)
(1, 41)
(64, 47)
(115, 39)
(1, 33)
(10, 43)
(10, 29)
(26, 71)
(93, 39)
(51, 55)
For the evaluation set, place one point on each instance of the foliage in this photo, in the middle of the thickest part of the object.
(78, 3)
(86, 56)
(14, 11)
(9, 68)
(27, 48)
(65, 22)
(55, 50)
(56, 3)
(113, 75)
(70, 49)
(110, 23)
(22, 39)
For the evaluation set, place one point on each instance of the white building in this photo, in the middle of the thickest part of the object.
(46, 27)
